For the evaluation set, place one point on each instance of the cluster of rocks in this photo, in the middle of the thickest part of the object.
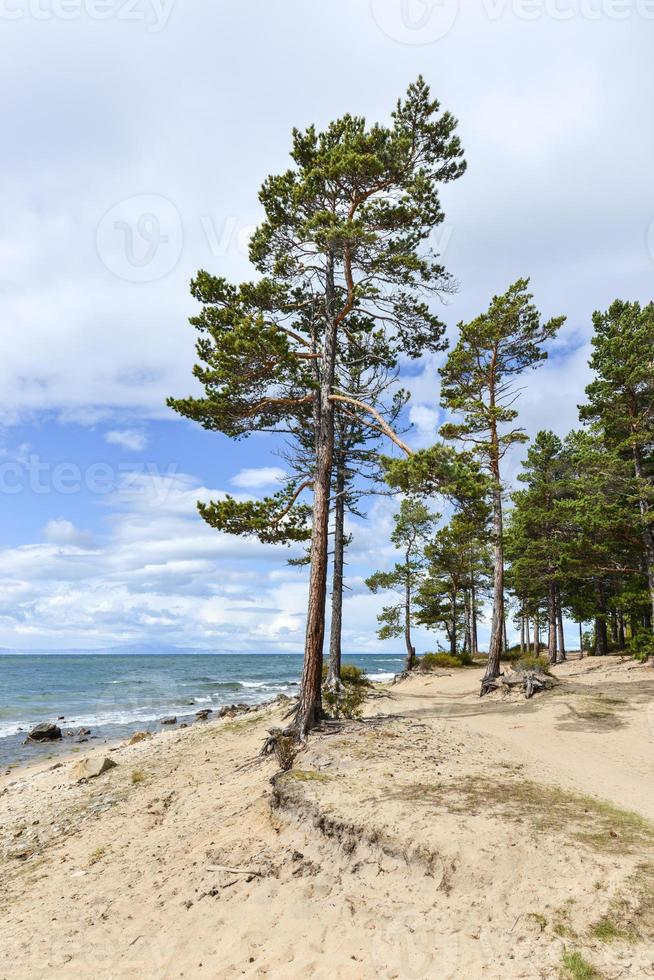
(48, 731)
(51, 732)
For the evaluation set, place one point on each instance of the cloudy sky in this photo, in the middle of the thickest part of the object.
(135, 136)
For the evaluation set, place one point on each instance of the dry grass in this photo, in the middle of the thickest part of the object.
(307, 776)
(601, 826)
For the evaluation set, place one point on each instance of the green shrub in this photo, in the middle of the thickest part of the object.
(350, 674)
(430, 661)
(511, 655)
(348, 700)
(641, 646)
(534, 663)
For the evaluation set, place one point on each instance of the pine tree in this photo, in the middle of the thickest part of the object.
(341, 254)
(414, 526)
(479, 384)
(535, 535)
(603, 546)
(621, 403)
(454, 577)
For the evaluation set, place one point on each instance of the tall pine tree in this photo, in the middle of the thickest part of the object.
(341, 253)
(479, 384)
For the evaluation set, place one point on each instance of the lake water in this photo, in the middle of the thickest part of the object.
(115, 695)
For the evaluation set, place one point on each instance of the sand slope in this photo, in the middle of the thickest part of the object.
(441, 837)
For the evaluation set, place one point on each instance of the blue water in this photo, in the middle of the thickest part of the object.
(115, 695)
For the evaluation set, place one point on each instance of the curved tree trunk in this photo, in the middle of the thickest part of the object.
(410, 649)
(334, 670)
(309, 711)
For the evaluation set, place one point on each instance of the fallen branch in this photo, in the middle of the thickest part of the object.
(234, 871)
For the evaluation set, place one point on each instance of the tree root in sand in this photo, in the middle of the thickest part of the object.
(529, 681)
(285, 743)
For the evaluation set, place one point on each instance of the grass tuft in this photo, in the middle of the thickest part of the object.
(307, 776)
(575, 967)
(97, 855)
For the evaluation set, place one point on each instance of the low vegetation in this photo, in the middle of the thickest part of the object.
(347, 699)
(575, 967)
(445, 661)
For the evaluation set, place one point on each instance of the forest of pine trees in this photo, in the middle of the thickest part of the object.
(310, 351)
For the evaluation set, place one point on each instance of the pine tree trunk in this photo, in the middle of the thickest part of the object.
(601, 637)
(522, 634)
(536, 633)
(410, 649)
(453, 638)
(527, 636)
(648, 533)
(614, 628)
(601, 632)
(309, 711)
(474, 639)
(497, 625)
(581, 639)
(622, 642)
(334, 670)
(551, 622)
(559, 621)
(467, 635)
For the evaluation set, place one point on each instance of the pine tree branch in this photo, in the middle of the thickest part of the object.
(303, 486)
(384, 426)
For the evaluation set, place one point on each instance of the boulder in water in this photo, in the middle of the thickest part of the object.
(45, 732)
(169, 721)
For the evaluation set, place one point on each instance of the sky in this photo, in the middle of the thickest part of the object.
(136, 134)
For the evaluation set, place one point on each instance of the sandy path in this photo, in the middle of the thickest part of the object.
(596, 738)
(426, 841)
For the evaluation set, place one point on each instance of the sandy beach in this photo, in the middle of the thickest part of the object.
(442, 836)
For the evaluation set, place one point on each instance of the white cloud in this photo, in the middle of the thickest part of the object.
(426, 421)
(63, 532)
(258, 477)
(161, 575)
(133, 439)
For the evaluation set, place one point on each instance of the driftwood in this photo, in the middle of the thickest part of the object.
(234, 871)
